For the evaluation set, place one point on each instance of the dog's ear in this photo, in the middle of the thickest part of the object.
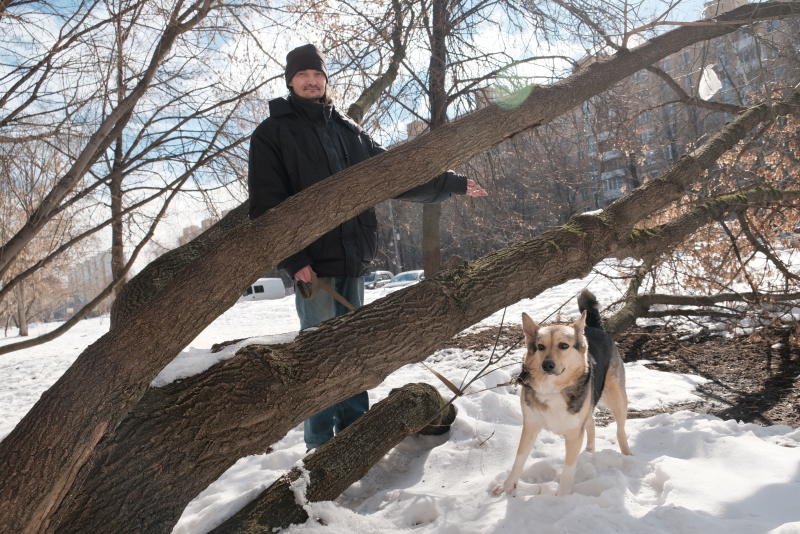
(579, 326)
(530, 328)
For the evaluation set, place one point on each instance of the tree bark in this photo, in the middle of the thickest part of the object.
(159, 273)
(50, 452)
(343, 460)
(4, 6)
(437, 93)
(431, 238)
(117, 238)
(22, 314)
(116, 175)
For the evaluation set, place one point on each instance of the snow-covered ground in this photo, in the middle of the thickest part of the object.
(690, 472)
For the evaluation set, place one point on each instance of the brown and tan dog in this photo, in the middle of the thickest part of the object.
(567, 370)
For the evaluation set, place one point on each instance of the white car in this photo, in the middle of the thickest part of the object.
(404, 279)
(264, 289)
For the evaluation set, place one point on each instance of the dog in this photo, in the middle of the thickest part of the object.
(566, 371)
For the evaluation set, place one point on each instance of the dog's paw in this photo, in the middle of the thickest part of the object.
(506, 487)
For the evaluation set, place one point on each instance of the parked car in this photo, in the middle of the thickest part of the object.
(377, 279)
(264, 289)
(404, 279)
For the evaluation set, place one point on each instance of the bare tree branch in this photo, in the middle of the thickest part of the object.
(685, 98)
(761, 246)
(103, 136)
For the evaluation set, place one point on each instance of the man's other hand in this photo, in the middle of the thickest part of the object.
(474, 190)
(306, 274)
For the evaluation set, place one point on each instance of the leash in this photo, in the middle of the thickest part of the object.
(452, 387)
(459, 392)
(306, 291)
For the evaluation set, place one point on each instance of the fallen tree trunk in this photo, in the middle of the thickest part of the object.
(345, 459)
(50, 453)
(204, 423)
(664, 238)
(637, 306)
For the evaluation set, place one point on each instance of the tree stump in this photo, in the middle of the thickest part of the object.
(345, 459)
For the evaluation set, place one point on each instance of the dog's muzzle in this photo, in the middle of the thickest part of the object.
(549, 367)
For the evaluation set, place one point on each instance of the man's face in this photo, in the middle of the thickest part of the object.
(309, 84)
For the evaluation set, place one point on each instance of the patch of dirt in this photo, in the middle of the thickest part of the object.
(753, 378)
(510, 335)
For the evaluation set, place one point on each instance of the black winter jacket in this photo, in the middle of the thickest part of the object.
(303, 143)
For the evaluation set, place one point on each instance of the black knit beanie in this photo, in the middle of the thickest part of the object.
(302, 58)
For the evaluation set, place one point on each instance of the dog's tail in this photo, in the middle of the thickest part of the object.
(588, 302)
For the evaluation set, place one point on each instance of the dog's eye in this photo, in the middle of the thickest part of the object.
(563, 346)
(540, 347)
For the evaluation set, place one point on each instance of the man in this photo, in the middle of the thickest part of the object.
(303, 141)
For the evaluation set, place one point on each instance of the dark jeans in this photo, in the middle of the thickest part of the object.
(320, 427)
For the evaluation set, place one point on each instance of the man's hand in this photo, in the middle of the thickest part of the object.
(474, 190)
(306, 274)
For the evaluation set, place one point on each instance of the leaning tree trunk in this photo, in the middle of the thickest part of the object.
(345, 459)
(203, 424)
(51, 451)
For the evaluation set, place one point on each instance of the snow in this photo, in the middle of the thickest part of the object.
(194, 361)
(690, 472)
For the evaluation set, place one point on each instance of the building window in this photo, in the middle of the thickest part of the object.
(613, 184)
(614, 164)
